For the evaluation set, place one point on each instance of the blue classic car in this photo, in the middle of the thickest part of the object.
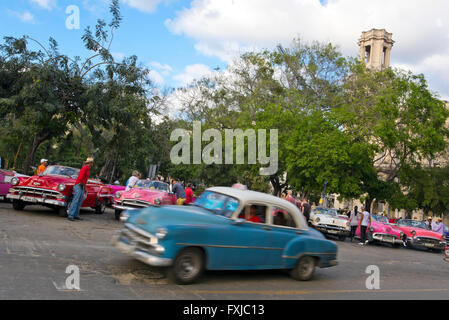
(226, 229)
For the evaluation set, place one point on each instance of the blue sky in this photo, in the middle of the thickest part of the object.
(183, 39)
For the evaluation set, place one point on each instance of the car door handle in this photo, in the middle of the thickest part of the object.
(298, 232)
(267, 228)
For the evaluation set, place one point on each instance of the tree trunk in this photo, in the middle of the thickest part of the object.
(368, 202)
(37, 141)
(113, 168)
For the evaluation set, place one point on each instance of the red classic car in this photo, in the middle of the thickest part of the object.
(144, 194)
(54, 189)
(416, 234)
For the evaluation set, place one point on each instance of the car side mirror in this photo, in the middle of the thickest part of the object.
(239, 221)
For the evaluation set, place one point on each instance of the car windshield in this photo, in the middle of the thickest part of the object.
(217, 203)
(412, 223)
(380, 218)
(62, 171)
(329, 212)
(148, 184)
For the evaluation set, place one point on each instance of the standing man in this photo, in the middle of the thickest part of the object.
(132, 181)
(42, 167)
(306, 209)
(290, 197)
(354, 221)
(438, 226)
(178, 190)
(189, 194)
(364, 224)
(78, 190)
(429, 223)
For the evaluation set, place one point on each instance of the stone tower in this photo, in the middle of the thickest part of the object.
(375, 48)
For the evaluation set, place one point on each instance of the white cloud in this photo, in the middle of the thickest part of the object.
(118, 56)
(143, 5)
(192, 72)
(46, 4)
(225, 28)
(23, 16)
(164, 69)
(156, 77)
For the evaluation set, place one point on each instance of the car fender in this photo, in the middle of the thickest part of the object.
(307, 245)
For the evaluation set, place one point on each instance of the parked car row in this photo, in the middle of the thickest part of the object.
(405, 232)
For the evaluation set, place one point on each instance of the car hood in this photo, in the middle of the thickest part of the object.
(49, 182)
(175, 215)
(385, 228)
(420, 232)
(142, 194)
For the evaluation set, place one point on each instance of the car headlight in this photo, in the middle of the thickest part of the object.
(124, 216)
(317, 220)
(161, 233)
(447, 252)
(413, 232)
(157, 202)
(14, 181)
(348, 224)
(443, 238)
(118, 194)
(61, 187)
(401, 234)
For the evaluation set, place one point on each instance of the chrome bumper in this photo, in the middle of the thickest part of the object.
(118, 207)
(440, 246)
(132, 249)
(385, 237)
(332, 231)
(37, 200)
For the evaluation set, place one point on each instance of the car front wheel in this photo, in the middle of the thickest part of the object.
(64, 211)
(101, 207)
(117, 214)
(18, 205)
(188, 266)
(304, 269)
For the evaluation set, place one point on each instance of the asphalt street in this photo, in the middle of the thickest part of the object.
(36, 247)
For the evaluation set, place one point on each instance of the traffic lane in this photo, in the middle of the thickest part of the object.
(39, 246)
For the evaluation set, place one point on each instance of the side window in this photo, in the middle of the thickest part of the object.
(254, 213)
(282, 217)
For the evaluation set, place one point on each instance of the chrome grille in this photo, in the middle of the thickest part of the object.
(135, 203)
(26, 191)
(141, 239)
(427, 240)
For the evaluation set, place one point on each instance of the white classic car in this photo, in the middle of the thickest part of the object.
(328, 221)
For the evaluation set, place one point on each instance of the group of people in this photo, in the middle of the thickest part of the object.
(437, 226)
(302, 203)
(360, 220)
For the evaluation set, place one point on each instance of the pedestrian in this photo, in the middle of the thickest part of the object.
(132, 181)
(438, 226)
(299, 203)
(79, 189)
(364, 224)
(306, 209)
(354, 221)
(42, 167)
(429, 223)
(179, 191)
(189, 194)
(290, 198)
(283, 195)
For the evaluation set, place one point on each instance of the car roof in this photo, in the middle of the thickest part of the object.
(249, 195)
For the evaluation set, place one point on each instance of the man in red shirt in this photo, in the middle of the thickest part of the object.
(78, 190)
(189, 194)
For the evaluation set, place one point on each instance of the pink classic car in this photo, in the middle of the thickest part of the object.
(146, 193)
(416, 234)
(5, 181)
(383, 232)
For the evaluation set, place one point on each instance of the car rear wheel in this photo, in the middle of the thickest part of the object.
(342, 238)
(18, 205)
(304, 269)
(117, 214)
(188, 266)
(101, 207)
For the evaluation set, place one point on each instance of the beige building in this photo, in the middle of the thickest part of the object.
(375, 50)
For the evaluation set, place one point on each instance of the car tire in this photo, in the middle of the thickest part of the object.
(304, 269)
(64, 211)
(187, 266)
(101, 207)
(342, 238)
(18, 205)
(117, 214)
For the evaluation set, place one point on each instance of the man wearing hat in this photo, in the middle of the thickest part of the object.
(78, 190)
(42, 167)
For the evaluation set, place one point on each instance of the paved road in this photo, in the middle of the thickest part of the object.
(36, 246)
